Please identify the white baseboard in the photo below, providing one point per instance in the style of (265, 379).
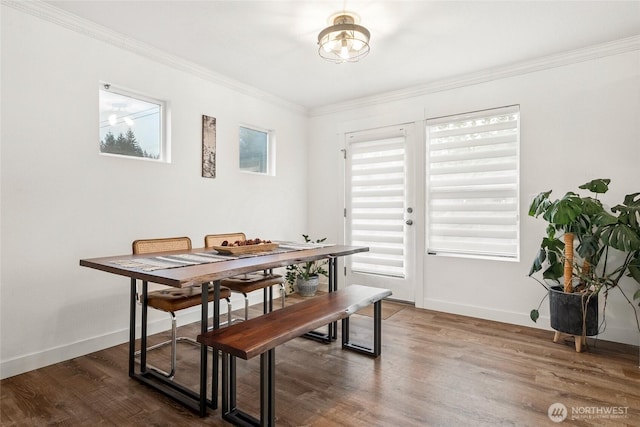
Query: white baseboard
(614, 334)
(481, 312)
(29, 362)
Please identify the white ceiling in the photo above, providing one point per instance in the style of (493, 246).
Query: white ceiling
(271, 45)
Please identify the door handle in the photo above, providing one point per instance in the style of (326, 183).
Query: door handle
(409, 222)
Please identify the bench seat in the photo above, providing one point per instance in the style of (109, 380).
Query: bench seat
(259, 337)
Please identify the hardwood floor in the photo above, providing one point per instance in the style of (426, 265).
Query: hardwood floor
(436, 369)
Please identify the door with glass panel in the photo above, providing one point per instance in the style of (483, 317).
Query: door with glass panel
(379, 209)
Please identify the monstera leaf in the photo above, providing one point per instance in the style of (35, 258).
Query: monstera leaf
(589, 247)
(565, 211)
(634, 268)
(630, 211)
(621, 237)
(540, 204)
(623, 232)
(597, 186)
(550, 251)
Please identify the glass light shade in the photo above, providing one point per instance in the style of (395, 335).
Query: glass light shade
(344, 41)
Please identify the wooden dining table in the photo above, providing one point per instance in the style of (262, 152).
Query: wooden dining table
(149, 268)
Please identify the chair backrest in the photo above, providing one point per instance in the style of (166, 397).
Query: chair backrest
(217, 239)
(146, 246)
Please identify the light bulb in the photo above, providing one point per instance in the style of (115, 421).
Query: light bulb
(113, 120)
(128, 121)
(344, 51)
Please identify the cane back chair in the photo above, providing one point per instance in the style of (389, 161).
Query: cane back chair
(171, 300)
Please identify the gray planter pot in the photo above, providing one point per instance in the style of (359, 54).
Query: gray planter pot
(567, 313)
(307, 288)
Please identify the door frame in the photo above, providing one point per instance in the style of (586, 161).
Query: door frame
(416, 171)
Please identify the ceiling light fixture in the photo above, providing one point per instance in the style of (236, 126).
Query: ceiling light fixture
(345, 40)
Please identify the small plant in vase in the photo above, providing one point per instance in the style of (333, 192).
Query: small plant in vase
(305, 276)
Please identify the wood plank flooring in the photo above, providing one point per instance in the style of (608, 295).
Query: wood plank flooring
(436, 369)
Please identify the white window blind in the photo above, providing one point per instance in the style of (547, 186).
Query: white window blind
(376, 199)
(472, 183)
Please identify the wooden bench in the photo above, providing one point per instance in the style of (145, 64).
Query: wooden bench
(259, 337)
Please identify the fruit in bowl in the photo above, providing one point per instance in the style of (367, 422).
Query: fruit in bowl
(248, 242)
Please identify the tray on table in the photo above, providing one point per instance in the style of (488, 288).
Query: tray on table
(246, 249)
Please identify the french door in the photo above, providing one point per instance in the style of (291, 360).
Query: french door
(380, 210)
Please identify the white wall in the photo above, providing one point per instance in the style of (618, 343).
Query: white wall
(578, 122)
(62, 201)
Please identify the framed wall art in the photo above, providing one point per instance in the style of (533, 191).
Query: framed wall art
(208, 147)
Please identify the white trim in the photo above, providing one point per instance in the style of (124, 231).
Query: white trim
(50, 356)
(57, 16)
(87, 28)
(619, 335)
(544, 63)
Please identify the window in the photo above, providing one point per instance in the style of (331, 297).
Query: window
(255, 150)
(131, 125)
(472, 184)
(376, 192)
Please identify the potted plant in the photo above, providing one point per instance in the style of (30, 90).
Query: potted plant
(305, 276)
(608, 249)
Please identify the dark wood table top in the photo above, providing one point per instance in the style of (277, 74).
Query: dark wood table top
(194, 274)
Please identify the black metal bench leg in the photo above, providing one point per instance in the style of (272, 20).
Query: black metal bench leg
(267, 389)
(225, 384)
(377, 328)
(377, 334)
(230, 412)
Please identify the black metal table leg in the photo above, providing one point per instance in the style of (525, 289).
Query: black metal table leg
(215, 362)
(143, 337)
(132, 329)
(332, 328)
(194, 400)
(333, 262)
(204, 323)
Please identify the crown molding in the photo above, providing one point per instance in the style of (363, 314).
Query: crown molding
(512, 70)
(90, 29)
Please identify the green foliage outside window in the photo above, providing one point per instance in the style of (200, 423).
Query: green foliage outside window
(125, 145)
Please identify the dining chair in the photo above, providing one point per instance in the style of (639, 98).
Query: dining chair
(171, 299)
(247, 283)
